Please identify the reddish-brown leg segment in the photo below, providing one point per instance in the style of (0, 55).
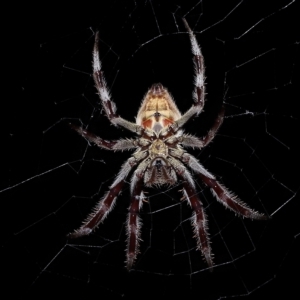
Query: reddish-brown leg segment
(224, 196)
(231, 201)
(91, 137)
(107, 203)
(199, 222)
(134, 223)
(187, 140)
(122, 144)
(100, 212)
(212, 132)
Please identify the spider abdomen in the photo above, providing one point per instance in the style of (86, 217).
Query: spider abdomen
(158, 109)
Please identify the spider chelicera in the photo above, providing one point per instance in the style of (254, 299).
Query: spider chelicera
(159, 157)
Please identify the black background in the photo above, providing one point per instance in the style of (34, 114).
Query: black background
(52, 178)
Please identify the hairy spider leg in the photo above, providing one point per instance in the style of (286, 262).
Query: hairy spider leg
(214, 129)
(100, 212)
(199, 222)
(106, 204)
(121, 144)
(104, 94)
(224, 196)
(188, 140)
(231, 201)
(134, 223)
(199, 89)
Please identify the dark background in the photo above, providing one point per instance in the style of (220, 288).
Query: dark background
(51, 177)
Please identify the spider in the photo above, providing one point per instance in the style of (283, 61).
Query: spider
(159, 158)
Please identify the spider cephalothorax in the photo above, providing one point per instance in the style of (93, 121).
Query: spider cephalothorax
(159, 157)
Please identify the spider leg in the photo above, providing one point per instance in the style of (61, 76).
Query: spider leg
(231, 201)
(191, 161)
(199, 220)
(108, 105)
(122, 144)
(199, 90)
(106, 204)
(212, 132)
(188, 140)
(133, 222)
(224, 196)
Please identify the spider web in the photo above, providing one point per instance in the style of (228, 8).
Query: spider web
(52, 177)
